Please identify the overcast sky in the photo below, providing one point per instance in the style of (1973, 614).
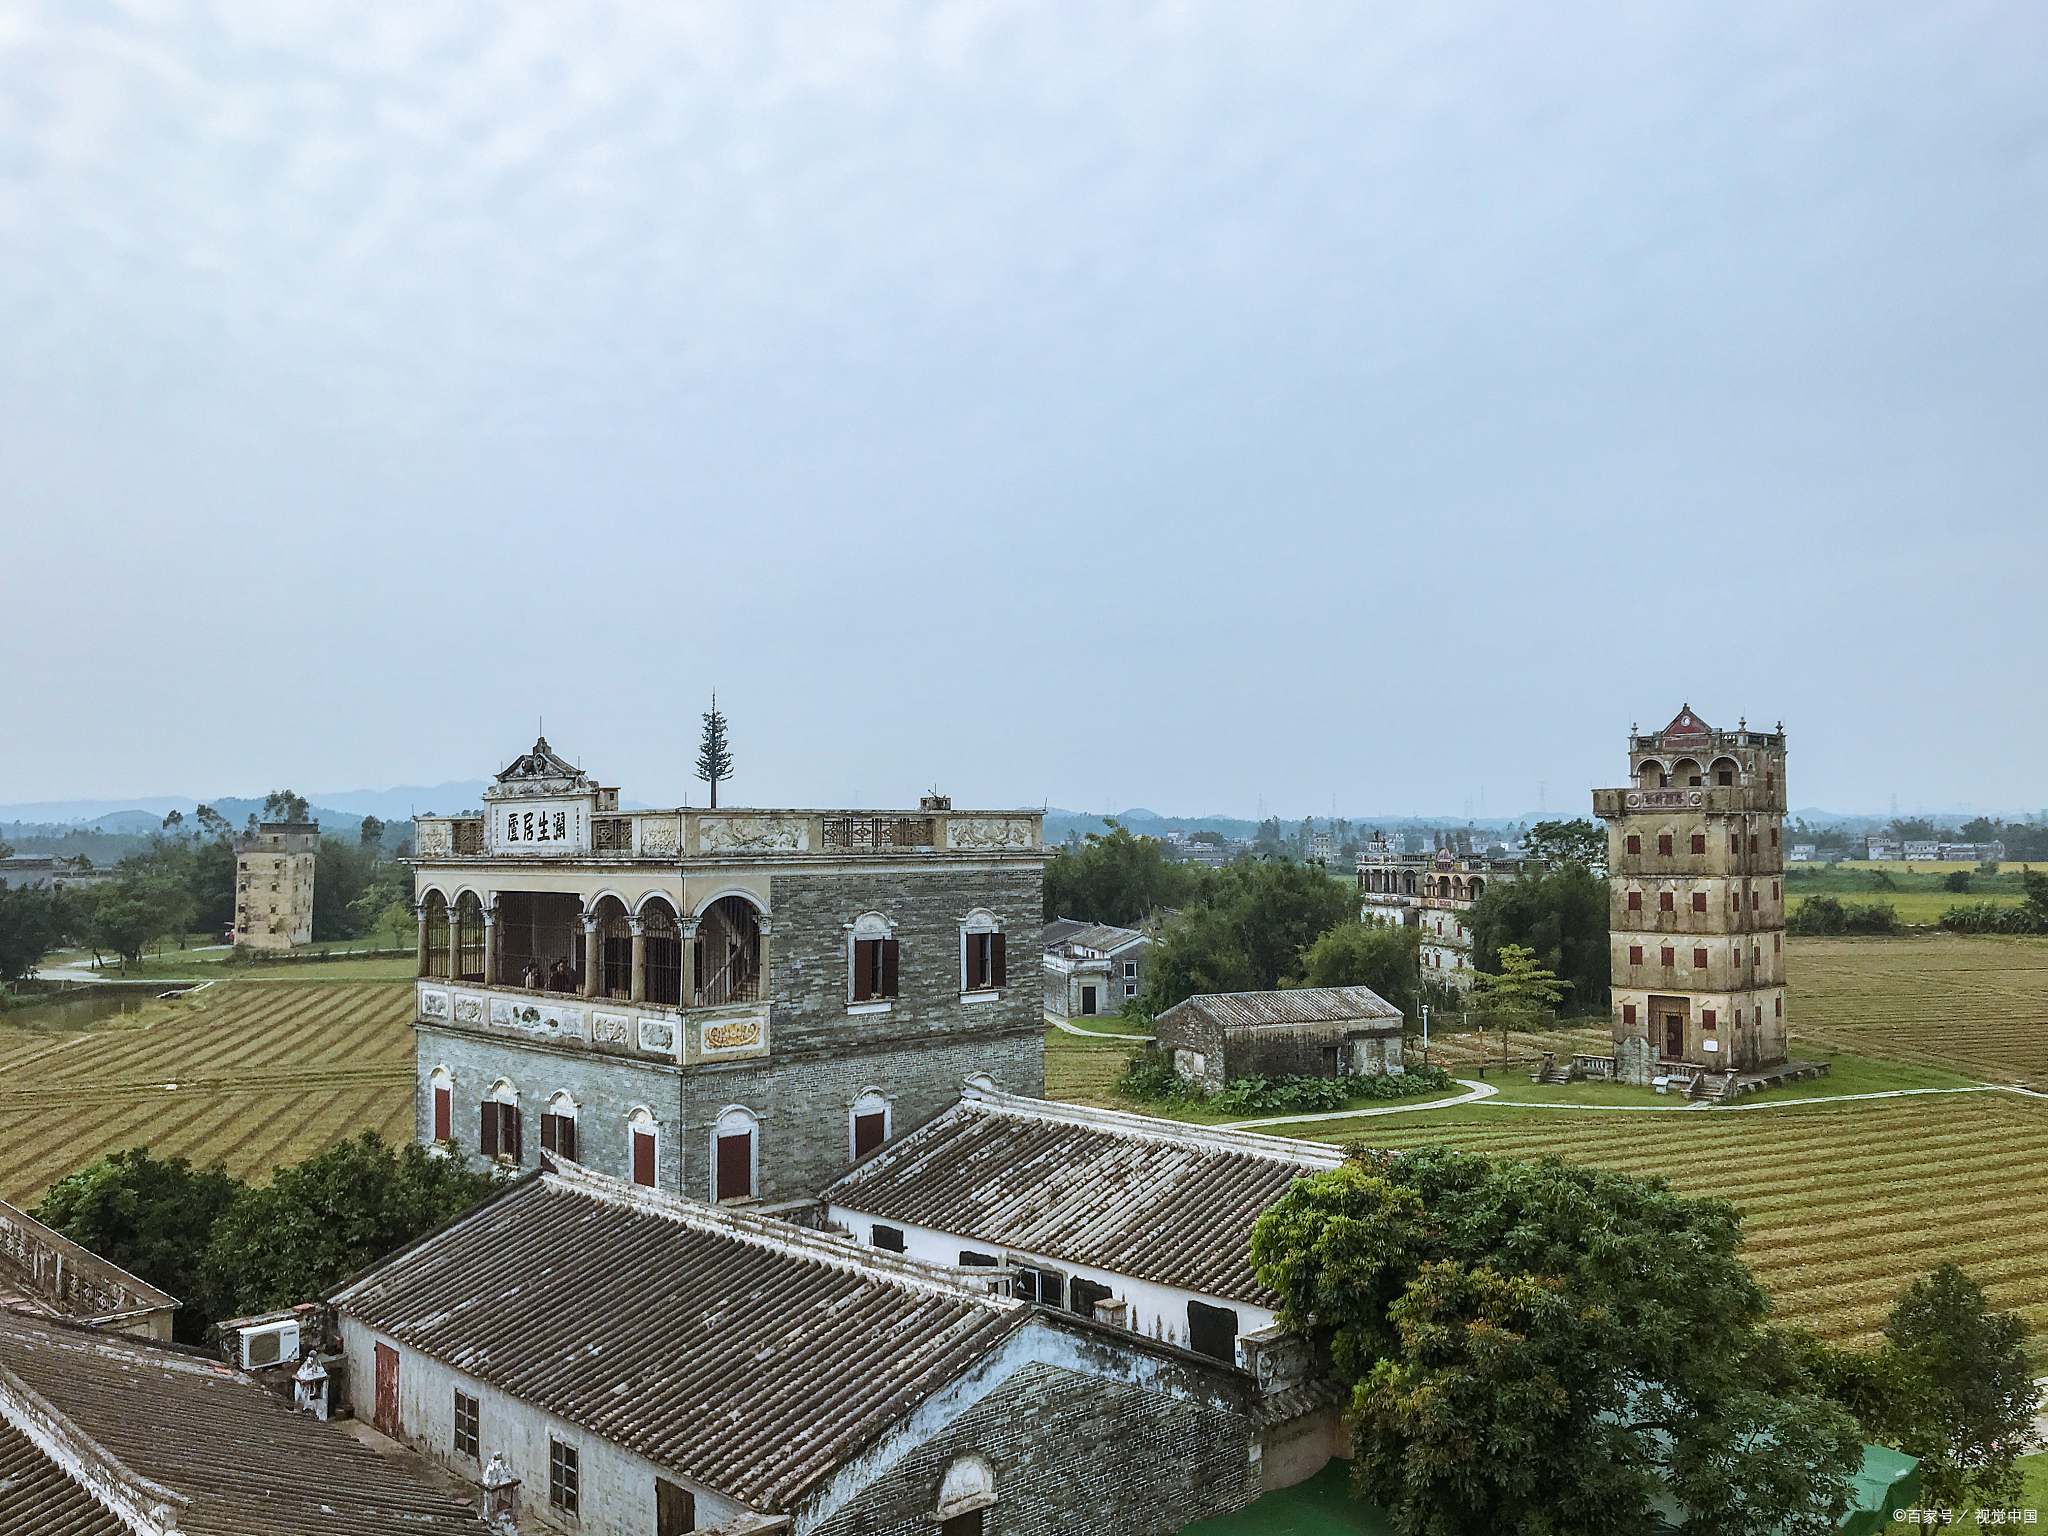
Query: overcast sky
(1206, 407)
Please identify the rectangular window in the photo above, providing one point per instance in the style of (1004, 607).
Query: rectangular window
(643, 1158)
(1780, 1007)
(500, 1134)
(465, 1425)
(1664, 843)
(1670, 956)
(1699, 959)
(875, 965)
(983, 967)
(1048, 1287)
(1130, 968)
(1699, 901)
(969, 1259)
(1635, 843)
(443, 1115)
(736, 1166)
(1635, 954)
(1663, 901)
(1628, 1013)
(1752, 901)
(1774, 890)
(890, 1238)
(1774, 837)
(1735, 842)
(969, 1524)
(675, 1509)
(565, 1477)
(1130, 989)
(1752, 842)
(1707, 1018)
(1777, 943)
(1635, 901)
(1699, 842)
(1756, 957)
(558, 1135)
(1212, 1331)
(868, 1132)
(1083, 1294)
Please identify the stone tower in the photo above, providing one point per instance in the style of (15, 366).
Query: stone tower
(274, 884)
(1696, 872)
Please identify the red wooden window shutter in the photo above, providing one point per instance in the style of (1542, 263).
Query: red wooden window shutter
(1735, 842)
(888, 967)
(547, 1133)
(1699, 901)
(995, 942)
(443, 1115)
(1628, 1013)
(1664, 842)
(863, 969)
(736, 1166)
(1699, 958)
(565, 1137)
(1699, 842)
(1635, 901)
(1670, 954)
(487, 1140)
(867, 1134)
(511, 1135)
(1664, 901)
(1635, 954)
(1635, 843)
(643, 1160)
(1707, 1018)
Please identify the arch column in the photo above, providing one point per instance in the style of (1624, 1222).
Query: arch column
(593, 962)
(639, 928)
(686, 932)
(454, 943)
(761, 983)
(491, 944)
(423, 939)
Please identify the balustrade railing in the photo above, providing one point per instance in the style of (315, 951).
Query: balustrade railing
(873, 833)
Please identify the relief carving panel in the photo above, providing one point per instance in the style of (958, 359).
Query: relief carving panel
(750, 834)
(433, 1005)
(990, 832)
(554, 1020)
(608, 1027)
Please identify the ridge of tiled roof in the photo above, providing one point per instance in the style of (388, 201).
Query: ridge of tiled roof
(1291, 1005)
(1120, 1122)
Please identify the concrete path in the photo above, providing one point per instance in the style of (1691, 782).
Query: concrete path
(1473, 1093)
(1090, 1034)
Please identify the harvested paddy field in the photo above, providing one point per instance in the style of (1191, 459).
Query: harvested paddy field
(1976, 1004)
(249, 1073)
(1844, 1204)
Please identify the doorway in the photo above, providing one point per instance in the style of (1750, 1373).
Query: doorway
(386, 1418)
(1087, 1001)
(1674, 1036)
(675, 1509)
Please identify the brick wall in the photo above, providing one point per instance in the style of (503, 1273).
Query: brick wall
(1071, 1453)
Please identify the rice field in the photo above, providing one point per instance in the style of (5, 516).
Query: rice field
(1843, 1204)
(1977, 1004)
(249, 1073)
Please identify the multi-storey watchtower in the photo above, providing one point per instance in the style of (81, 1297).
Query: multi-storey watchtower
(274, 884)
(1696, 871)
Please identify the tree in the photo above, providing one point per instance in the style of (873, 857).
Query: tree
(1953, 1386)
(284, 805)
(1957, 880)
(153, 1218)
(335, 1213)
(371, 833)
(714, 762)
(1540, 1348)
(1559, 915)
(1980, 829)
(212, 824)
(1246, 931)
(174, 824)
(1913, 829)
(1521, 987)
(1550, 844)
(32, 922)
(1115, 878)
(1386, 959)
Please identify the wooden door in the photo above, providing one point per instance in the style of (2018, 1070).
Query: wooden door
(387, 1390)
(1674, 1037)
(1087, 1000)
(736, 1166)
(675, 1509)
(969, 1524)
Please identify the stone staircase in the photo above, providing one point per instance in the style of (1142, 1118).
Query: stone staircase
(1550, 1071)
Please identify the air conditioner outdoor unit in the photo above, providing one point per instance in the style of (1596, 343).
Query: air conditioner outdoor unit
(269, 1344)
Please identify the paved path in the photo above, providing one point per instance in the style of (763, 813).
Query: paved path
(1474, 1092)
(1090, 1034)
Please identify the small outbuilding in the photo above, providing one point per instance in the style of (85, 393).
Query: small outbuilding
(1303, 1032)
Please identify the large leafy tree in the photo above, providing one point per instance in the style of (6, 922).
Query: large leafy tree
(152, 1217)
(1249, 927)
(1547, 1349)
(1560, 916)
(337, 1212)
(32, 923)
(1386, 959)
(1116, 877)
(1551, 844)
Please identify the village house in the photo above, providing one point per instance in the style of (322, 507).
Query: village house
(1142, 1220)
(1300, 1032)
(731, 1004)
(1091, 968)
(30, 871)
(104, 1435)
(646, 1365)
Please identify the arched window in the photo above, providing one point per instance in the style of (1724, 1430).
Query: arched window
(1686, 772)
(441, 1094)
(558, 1127)
(614, 943)
(645, 1137)
(728, 953)
(469, 937)
(1476, 889)
(1650, 774)
(965, 1493)
(982, 962)
(1443, 885)
(434, 915)
(1724, 770)
(868, 1123)
(872, 960)
(733, 1154)
(501, 1134)
(664, 949)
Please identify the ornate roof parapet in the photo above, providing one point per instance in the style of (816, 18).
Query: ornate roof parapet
(539, 772)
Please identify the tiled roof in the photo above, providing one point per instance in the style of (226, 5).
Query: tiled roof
(1060, 930)
(1100, 937)
(1299, 1005)
(743, 1352)
(230, 1457)
(1129, 1194)
(37, 1497)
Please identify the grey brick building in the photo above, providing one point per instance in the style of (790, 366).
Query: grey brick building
(729, 1004)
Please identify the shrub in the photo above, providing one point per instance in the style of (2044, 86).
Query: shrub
(1826, 914)
(1871, 917)
(1149, 1078)
(1990, 917)
(1956, 880)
